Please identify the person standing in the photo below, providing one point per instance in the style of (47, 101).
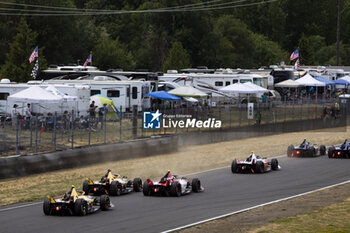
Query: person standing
(28, 116)
(15, 115)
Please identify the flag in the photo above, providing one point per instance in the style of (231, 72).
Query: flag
(297, 64)
(34, 55)
(294, 55)
(35, 69)
(89, 58)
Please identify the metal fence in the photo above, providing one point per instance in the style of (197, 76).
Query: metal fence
(38, 134)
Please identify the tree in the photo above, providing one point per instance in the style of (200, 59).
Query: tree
(307, 56)
(17, 67)
(109, 54)
(178, 58)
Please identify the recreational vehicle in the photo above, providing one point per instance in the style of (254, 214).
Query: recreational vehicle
(124, 94)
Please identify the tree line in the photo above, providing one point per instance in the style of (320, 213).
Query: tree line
(243, 37)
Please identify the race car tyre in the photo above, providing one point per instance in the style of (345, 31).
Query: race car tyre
(259, 167)
(146, 189)
(234, 166)
(290, 150)
(175, 189)
(196, 185)
(86, 187)
(330, 152)
(137, 185)
(104, 202)
(80, 207)
(274, 164)
(46, 206)
(322, 150)
(116, 188)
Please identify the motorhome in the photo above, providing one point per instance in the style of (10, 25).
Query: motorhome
(81, 105)
(124, 94)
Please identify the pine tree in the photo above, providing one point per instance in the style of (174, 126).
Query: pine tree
(17, 67)
(178, 58)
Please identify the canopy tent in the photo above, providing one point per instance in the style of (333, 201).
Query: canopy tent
(326, 81)
(341, 82)
(239, 88)
(346, 78)
(257, 87)
(163, 95)
(190, 99)
(187, 91)
(66, 98)
(35, 94)
(309, 81)
(100, 100)
(289, 83)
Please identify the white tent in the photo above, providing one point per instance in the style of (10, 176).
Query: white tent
(35, 94)
(257, 87)
(239, 88)
(309, 81)
(187, 91)
(289, 83)
(66, 98)
(347, 78)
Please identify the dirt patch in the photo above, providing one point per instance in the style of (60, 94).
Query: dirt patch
(187, 160)
(256, 220)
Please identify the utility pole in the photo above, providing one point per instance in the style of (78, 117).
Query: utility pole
(338, 29)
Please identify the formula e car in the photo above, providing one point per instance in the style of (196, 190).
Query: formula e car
(75, 203)
(306, 151)
(112, 184)
(338, 152)
(257, 165)
(171, 185)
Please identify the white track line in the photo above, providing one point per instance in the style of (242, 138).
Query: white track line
(20, 206)
(35, 203)
(253, 207)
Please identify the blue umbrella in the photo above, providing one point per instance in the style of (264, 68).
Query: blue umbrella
(163, 95)
(341, 82)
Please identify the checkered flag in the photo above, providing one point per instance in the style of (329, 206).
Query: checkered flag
(35, 69)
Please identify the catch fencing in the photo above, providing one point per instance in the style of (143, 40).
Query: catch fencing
(39, 134)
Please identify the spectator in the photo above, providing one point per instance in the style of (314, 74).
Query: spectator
(92, 111)
(15, 115)
(28, 117)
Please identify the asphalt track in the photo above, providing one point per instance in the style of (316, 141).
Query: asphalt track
(224, 193)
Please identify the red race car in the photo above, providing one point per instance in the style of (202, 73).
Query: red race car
(171, 185)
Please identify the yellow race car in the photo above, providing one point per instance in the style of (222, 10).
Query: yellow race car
(75, 203)
(112, 184)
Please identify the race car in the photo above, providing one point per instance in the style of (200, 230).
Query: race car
(171, 185)
(254, 164)
(112, 184)
(306, 149)
(338, 152)
(75, 203)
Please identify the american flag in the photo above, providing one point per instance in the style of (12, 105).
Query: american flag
(89, 58)
(294, 55)
(35, 69)
(34, 55)
(297, 64)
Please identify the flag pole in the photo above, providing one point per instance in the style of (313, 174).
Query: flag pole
(91, 58)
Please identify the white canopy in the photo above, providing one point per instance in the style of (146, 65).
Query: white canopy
(239, 88)
(35, 94)
(309, 81)
(257, 87)
(187, 91)
(289, 83)
(66, 98)
(347, 78)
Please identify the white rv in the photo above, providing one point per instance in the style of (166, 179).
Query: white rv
(124, 94)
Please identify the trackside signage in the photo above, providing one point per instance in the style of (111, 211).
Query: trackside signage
(156, 120)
